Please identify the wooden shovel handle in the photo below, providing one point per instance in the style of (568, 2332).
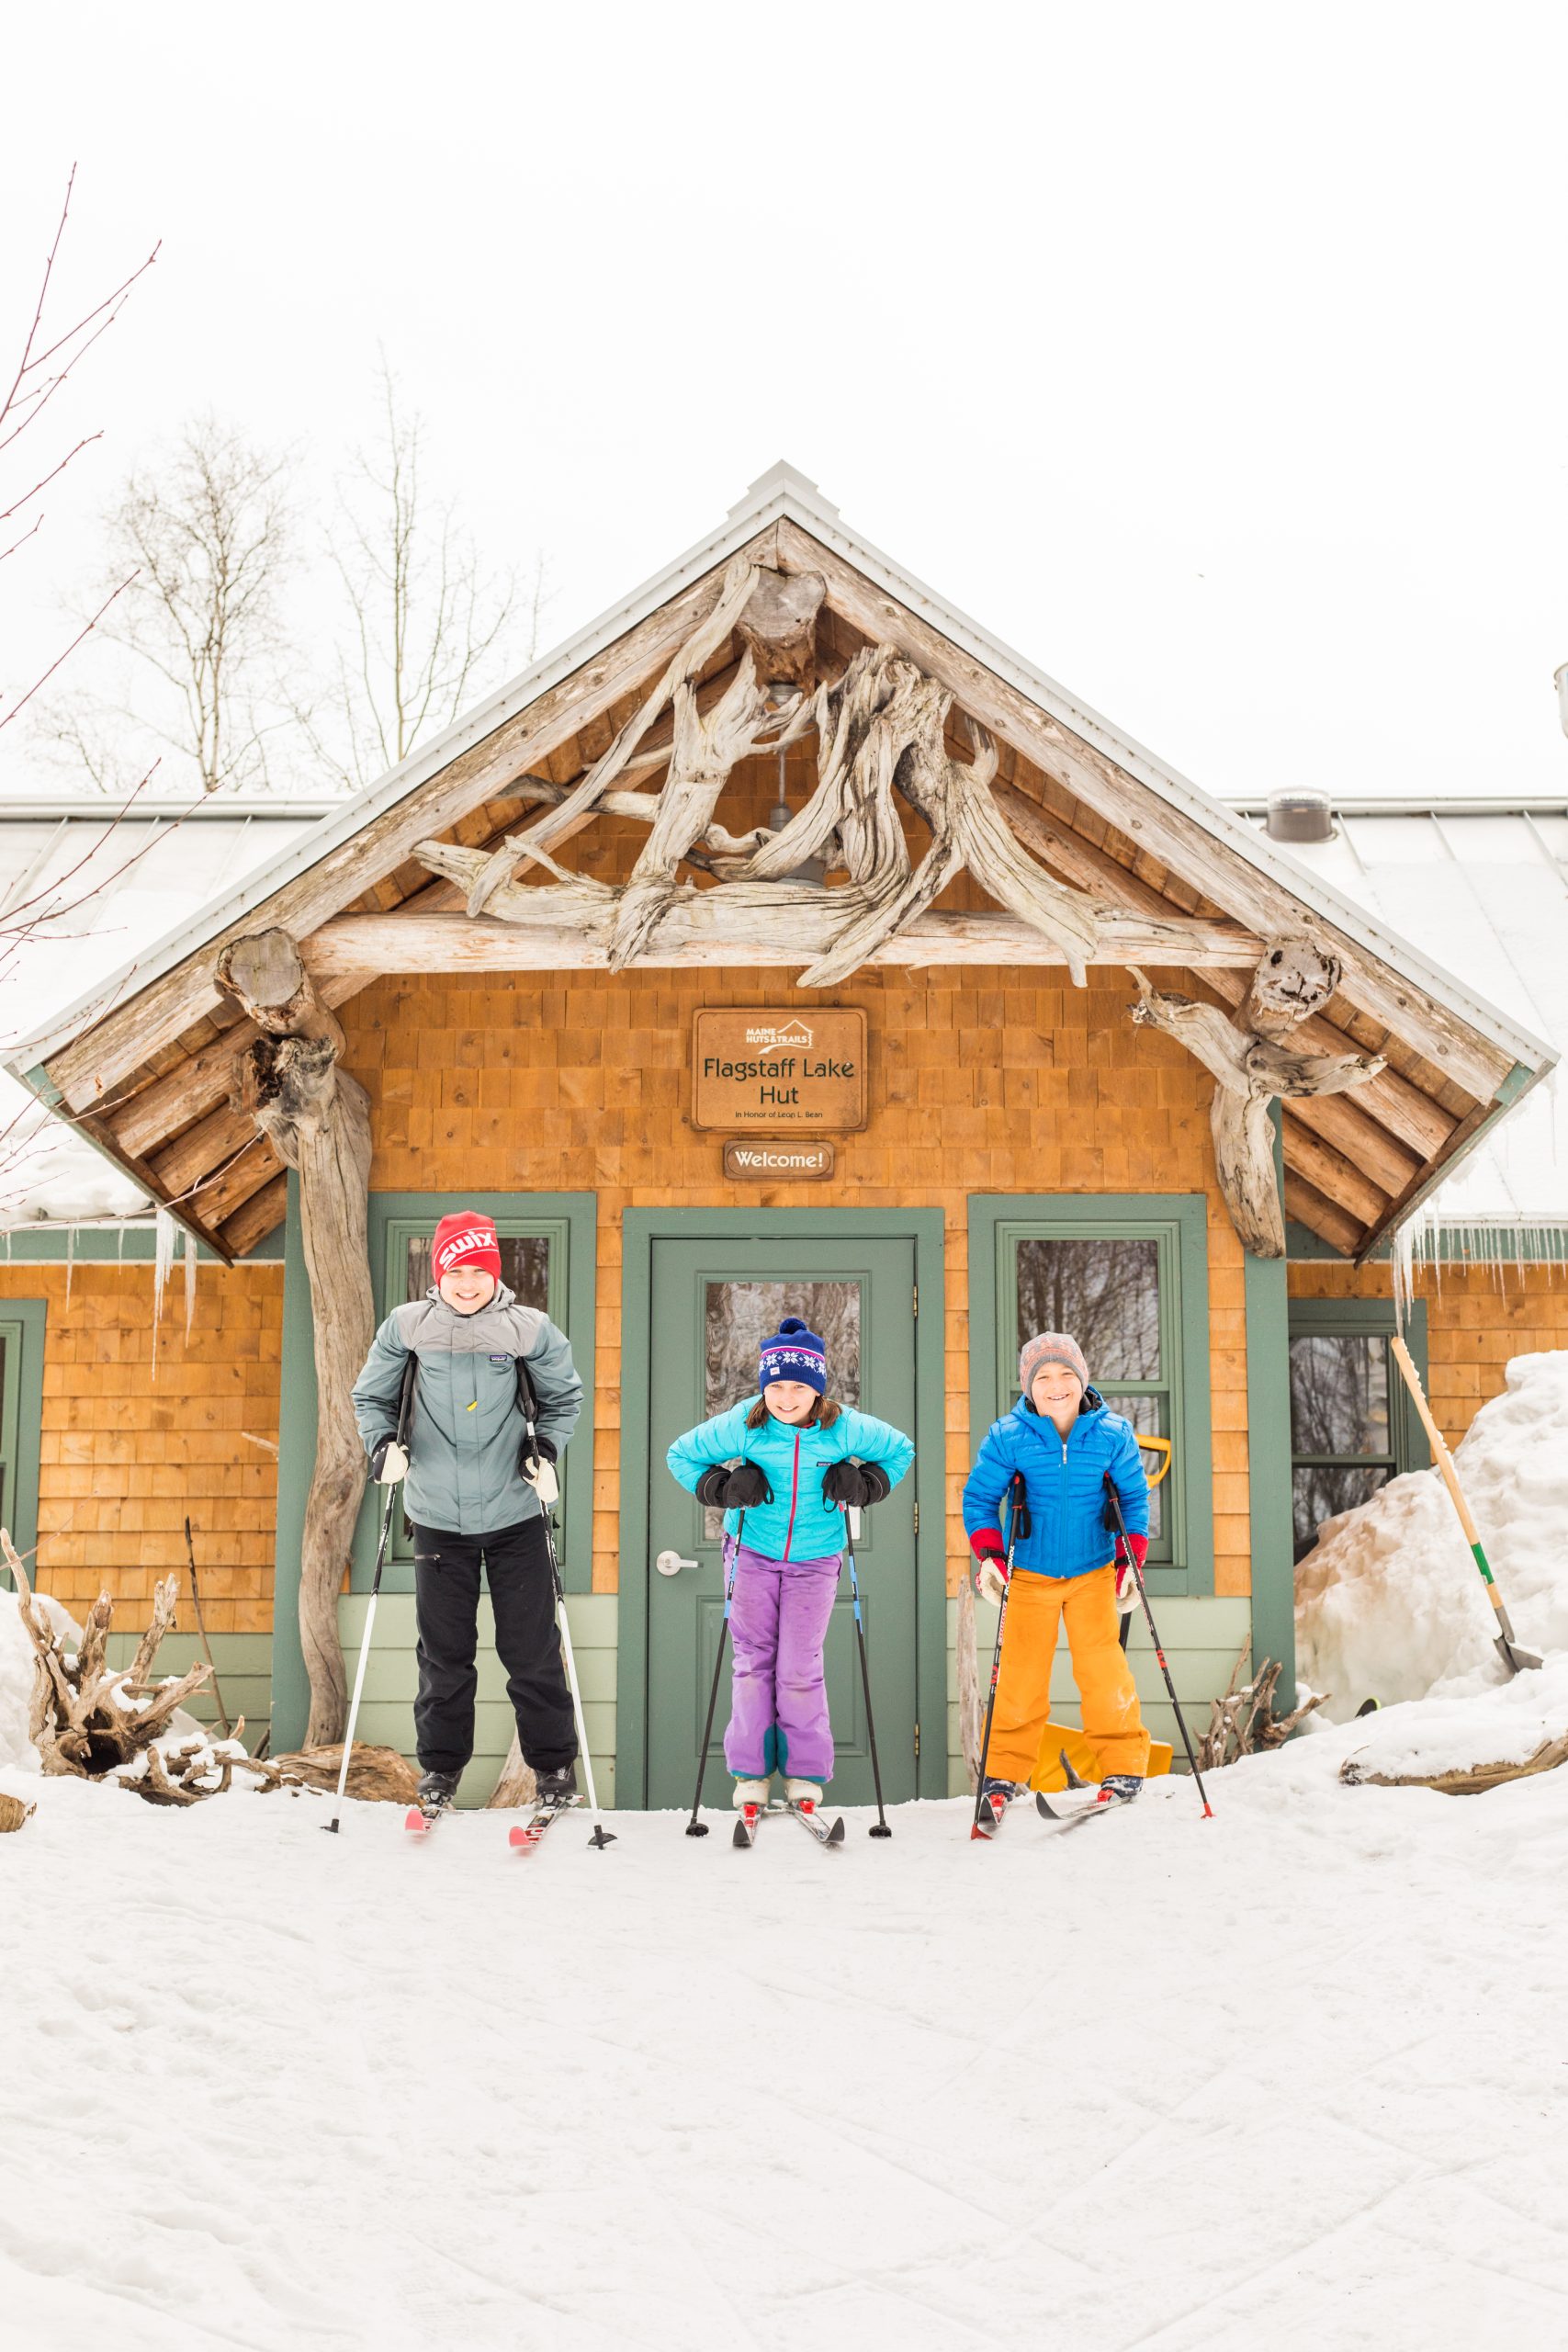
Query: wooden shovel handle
(1439, 1446)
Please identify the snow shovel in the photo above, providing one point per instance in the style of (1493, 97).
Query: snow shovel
(1518, 1661)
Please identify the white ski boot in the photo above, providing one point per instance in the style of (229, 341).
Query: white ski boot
(752, 1792)
(803, 1791)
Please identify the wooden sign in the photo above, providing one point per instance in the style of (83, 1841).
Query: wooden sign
(778, 1070)
(776, 1163)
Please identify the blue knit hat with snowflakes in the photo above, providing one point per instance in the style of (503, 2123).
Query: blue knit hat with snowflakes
(795, 1353)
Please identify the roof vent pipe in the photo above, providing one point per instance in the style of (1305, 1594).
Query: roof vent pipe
(1299, 817)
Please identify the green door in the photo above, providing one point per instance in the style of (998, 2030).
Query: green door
(712, 1302)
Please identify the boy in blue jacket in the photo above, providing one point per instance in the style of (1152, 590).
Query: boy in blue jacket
(797, 1472)
(1064, 1440)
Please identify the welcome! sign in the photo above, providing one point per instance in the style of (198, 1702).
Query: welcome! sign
(757, 1069)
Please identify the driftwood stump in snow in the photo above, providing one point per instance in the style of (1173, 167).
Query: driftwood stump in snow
(1252, 1062)
(1466, 1780)
(517, 1784)
(971, 1713)
(13, 1813)
(318, 1120)
(1243, 1723)
(376, 1775)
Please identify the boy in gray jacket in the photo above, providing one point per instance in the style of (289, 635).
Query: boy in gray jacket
(471, 1499)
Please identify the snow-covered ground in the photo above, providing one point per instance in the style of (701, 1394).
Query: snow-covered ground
(1292, 2077)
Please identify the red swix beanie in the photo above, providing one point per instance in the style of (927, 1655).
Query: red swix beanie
(465, 1239)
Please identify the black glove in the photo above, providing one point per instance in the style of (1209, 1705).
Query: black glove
(544, 1446)
(739, 1489)
(856, 1483)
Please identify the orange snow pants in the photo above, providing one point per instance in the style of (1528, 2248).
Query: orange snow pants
(1111, 1723)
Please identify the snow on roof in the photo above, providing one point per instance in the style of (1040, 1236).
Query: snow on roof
(1484, 892)
(89, 893)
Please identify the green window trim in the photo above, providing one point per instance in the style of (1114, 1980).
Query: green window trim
(1178, 1223)
(1370, 1318)
(23, 1328)
(297, 1430)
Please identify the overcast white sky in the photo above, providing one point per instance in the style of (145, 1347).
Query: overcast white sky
(1212, 356)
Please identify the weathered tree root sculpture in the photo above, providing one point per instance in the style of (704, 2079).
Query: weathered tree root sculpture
(1243, 1723)
(1252, 1062)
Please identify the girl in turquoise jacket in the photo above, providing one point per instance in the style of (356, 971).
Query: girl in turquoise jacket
(803, 1460)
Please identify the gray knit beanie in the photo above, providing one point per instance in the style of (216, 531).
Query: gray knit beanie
(1050, 1347)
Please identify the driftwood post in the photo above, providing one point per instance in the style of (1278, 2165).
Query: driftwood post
(1252, 1061)
(318, 1120)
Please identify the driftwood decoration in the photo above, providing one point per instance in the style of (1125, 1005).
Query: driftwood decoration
(1251, 1059)
(971, 1713)
(1465, 1781)
(881, 730)
(1243, 1723)
(318, 1120)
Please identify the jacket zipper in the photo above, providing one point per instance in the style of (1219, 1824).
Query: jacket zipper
(793, 1492)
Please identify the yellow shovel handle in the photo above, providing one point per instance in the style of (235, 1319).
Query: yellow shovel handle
(1443, 1458)
(1161, 1445)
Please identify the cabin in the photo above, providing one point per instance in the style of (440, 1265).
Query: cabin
(782, 943)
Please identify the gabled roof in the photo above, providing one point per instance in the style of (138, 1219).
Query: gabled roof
(1450, 1050)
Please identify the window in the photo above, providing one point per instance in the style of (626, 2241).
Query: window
(21, 1420)
(1127, 1275)
(1352, 1424)
(736, 1318)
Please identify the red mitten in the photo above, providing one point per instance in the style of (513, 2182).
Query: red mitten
(991, 1575)
(1126, 1583)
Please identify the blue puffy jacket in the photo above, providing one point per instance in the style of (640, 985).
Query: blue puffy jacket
(1064, 1480)
(798, 1524)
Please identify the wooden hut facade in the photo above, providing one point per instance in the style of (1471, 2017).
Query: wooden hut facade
(782, 940)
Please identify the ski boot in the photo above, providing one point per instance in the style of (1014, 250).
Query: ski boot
(995, 1798)
(432, 1799)
(806, 1792)
(557, 1788)
(1118, 1787)
(752, 1792)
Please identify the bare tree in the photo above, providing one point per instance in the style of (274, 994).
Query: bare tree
(210, 535)
(49, 357)
(425, 622)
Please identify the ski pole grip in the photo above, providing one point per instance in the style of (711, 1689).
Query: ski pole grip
(852, 1521)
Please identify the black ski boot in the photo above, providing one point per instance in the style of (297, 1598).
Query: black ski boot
(436, 1791)
(557, 1788)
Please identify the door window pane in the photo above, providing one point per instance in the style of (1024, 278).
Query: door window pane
(1322, 1490)
(525, 1267)
(1339, 1393)
(739, 1316)
(1106, 1293)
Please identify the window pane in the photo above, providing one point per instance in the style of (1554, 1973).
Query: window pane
(739, 1316)
(1146, 1413)
(525, 1267)
(1323, 1494)
(1339, 1393)
(1105, 1293)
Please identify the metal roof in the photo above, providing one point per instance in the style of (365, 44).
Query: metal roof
(1483, 885)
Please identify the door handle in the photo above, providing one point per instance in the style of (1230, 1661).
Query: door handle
(669, 1564)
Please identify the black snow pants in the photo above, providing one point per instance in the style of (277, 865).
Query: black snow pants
(528, 1639)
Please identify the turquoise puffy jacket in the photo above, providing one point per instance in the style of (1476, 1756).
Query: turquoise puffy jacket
(1064, 1480)
(799, 1524)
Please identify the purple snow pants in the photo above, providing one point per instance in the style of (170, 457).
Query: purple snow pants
(779, 1617)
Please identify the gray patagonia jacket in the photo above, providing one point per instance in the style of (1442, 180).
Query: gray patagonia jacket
(465, 1427)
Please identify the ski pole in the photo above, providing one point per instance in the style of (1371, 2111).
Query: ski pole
(696, 1828)
(1018, 1522)
(541, 1477)
(879, 1827)
(404, 1403)
(601, 1836)
(1518, 1660)
(1154, 1636)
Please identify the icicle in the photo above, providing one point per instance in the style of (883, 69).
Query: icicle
(120, 1251)
(164, 1229)
(1402, 1269)
(190, 1283)
(69, 1259)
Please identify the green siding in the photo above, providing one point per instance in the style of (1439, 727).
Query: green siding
(244, 1668)
(1203, 1638)
(24, 1321)
(386, 1712)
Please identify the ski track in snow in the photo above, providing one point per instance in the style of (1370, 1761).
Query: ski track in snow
(1294, 2075)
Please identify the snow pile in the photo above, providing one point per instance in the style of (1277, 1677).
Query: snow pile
(1507, 1724)
(17, 1661)
(1390, 1604)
